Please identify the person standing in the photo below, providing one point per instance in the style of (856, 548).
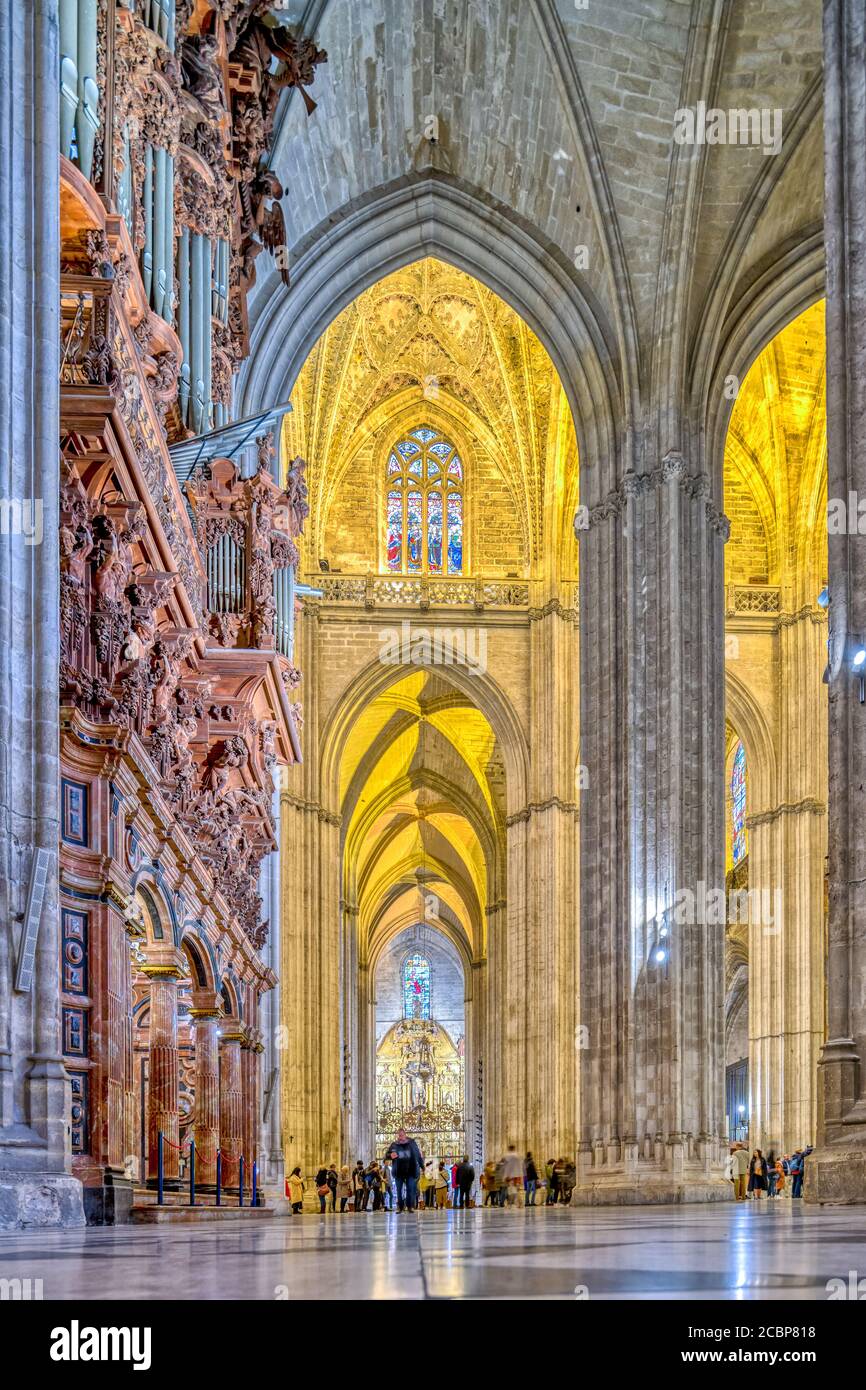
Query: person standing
(358, 1185)
(729, 1170)
(441, 1185)
(406, 1165)
(758, 1174)
(531, 1176)
(323, 1188)
(488, 1182)
(427, 1185)
(374, 1184)
(550, 1174)
(512, 1173)
(465, 1174)
(740, 1167)
(796, 1173)
(344, 1186)
(387, 1187)
(295, 1189)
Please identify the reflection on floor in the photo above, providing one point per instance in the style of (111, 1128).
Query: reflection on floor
(773, 1250)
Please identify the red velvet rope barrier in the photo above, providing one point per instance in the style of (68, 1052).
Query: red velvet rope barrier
(226, 1153)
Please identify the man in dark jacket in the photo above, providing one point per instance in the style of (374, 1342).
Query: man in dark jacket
(406, 1164)
(465, 1177)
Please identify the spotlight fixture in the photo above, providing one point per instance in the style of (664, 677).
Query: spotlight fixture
(824, 598)
(661, 955)
(858, 665)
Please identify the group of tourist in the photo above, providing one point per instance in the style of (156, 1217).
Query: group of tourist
(400, 1181)
(404, 1181)
(519, 1182)
(766, 1175)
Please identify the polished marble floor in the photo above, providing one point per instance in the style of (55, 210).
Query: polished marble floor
(772, 1250)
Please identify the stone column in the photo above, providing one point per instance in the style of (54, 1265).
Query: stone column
(311, 948)
(652, 738)
(358, 1068)
(836, 1172)
(163, 1108)
(552, 890)
(231, 1104)
(206, 1013)
(35, 1186)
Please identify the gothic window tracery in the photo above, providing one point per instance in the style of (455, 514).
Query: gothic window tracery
(424, 510)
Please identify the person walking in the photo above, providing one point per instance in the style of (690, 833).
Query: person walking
(344, 1186)
(406, 1165)
(323, 1188)
(531, 1177)
(295, 1189)
(512, 1173)
(465, 1174)
(740, 1166)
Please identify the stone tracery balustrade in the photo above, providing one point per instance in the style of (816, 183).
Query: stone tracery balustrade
(753, 598)
(384, 590)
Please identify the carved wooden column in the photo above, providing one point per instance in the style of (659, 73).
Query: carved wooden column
(163, 1074)
(231, 1103)
(206, 1012)
(249, 1066)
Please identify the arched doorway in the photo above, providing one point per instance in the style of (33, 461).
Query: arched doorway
(441, 736)
(420, 1043)
(776, 749)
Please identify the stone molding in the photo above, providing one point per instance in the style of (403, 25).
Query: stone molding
(696, 486)
(536, 807)
(809, 806)
(314, 808)
(568, 615)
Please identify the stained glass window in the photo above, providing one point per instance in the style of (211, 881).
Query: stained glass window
(416, 987)
(425, 517)
(738, 803)
(434, 532)
(395, 530)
